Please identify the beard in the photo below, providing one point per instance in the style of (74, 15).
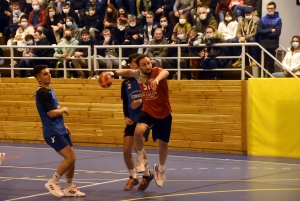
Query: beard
(147, 72)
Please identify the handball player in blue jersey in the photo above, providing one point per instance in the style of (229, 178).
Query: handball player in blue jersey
(56, 133)
(132, 104)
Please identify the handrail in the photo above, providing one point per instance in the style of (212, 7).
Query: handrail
(178, 57)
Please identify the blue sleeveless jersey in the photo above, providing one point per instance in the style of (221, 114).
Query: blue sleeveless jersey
(133, 92)
(51, 126)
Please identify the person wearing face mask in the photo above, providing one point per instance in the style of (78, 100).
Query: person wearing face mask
(13, 22)
(145, 7)
(181, 7)
(205, 19)
(67, 12)
(246, 32)
(64, 53)
(181, 25)
(291, 61)
(26, 62)
(71, 25)
(221, 8)
(149, 28)
(54, 26)
(269, 31)
(209, 53)
(27, 28)
(37, 17)
(133, 36)
(166, 27)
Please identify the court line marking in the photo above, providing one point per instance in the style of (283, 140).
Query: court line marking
(36, 195)
(212, 192)
(189, 157)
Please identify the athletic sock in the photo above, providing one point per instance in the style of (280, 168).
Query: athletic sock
(161, 168)
(146, 173)
(69, 182)
(140, 154)
(133, 173)
(55, 177)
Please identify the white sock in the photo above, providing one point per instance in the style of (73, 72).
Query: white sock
(55, 177)
(146, 173)
(133, 173)
(161, 168)
(140, 154)
(69, 182)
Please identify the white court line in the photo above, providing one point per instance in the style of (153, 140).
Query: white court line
(36, 195)
(185, 157)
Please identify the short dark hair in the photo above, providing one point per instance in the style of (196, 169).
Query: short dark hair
(142, 56)
(37, 69)
(65, 4)
(38, 31)
(29, 36)
(133, 56)
(85, 31)
(272, 3)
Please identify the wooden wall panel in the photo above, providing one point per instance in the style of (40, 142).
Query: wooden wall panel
(208, 116)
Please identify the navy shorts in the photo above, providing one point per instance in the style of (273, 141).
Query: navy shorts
(58, 142)
(161, 128)
(129, 130)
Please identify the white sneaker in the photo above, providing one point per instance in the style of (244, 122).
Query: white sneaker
(73, 192)
(2, 155)
(54, 188)
(158, 176)
(141, 164)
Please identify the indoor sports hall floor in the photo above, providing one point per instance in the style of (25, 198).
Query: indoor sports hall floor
(101, 174)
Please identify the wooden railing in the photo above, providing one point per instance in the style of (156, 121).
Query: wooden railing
(208, 116)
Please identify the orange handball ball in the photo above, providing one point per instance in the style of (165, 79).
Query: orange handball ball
(105, 80)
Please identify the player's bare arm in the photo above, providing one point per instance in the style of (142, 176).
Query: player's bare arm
(58, 112)
(162, 75)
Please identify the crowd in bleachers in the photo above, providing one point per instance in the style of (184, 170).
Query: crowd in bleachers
(138, 22)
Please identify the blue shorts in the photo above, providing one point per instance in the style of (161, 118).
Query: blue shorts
(58, 142)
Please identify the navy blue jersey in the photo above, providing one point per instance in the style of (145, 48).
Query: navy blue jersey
(46, 101)
(130, 91)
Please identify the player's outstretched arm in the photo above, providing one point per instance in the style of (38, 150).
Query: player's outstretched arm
(122, 72)
(58, 112)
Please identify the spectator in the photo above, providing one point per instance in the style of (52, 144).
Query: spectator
(37, 17)
(98, 10)
(159, 39)
(149, 28)
(4, 7)
(22, 5)
(110, 19)
(194, 42)
(109, 39)
(269, 30)
(240, 7)
(133, 36)
(41, 39)
(198, 4)
(83, 52)
(247, 32)
(147, 6)
(14, 19)
(181, 7)
(65, 53)
(209, 54)
(130, 5)
(205, 19)
(122, 23)
(26, 62)
(54, 26)
(27, 28)
(291, 61)
(182, 24)
(79, 7)
(222, 7)
(71, 25)
(166, 27)
(92, 22)
(67, 12)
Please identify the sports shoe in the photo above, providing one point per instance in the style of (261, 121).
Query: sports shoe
(54, 188)
(158, 177)
(145, 182)
(73, 191)
(141, 164)
(131, 183)
(2, 155)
